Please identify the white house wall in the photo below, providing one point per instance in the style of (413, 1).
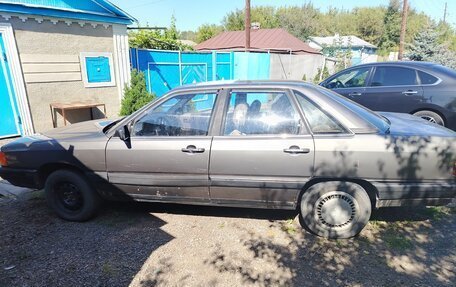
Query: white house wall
(121, 57)
(294, 67)
(49, 56)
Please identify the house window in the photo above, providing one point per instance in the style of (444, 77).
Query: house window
(97, 70)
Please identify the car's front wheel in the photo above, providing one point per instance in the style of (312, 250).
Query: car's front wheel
(335, 209)
(70, 195)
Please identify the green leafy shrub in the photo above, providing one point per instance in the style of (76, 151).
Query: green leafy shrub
(320, 76)
(136, 95)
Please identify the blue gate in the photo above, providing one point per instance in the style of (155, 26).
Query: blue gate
(9, 120)
(165, 70)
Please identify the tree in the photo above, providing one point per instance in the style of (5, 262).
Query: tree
(378, 25)
(426, 47)
(188, 35)
(156, 39)
(171, 32)
(338, 21)
(369, 23)
(392, 23)
(265, 15)
(447, 35)
(136, 94)
(302, 22)
(207, 31)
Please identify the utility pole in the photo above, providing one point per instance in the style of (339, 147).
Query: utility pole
(403, 28)
(247, 25)
(445, 13)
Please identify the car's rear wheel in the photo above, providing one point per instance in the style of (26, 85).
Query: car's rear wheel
(70, 195)
(430, 116)
(335, 209)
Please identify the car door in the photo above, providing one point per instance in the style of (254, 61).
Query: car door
(167, 155)
(350, 83)
(263, 154)
(393, 89)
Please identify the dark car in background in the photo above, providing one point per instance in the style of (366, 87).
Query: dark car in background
(423, 89)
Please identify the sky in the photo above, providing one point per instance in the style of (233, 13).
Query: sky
(191, 14)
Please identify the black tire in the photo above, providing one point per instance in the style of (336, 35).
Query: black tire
(335, 209)
(70, 195)
(430, 116)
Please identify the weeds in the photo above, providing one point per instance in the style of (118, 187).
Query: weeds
(397, 241)
(289, 227)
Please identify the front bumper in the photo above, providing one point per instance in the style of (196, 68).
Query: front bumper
(21, 177)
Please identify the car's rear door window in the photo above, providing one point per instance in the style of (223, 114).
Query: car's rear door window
(182, 115)
(394, 76)
(260, 113)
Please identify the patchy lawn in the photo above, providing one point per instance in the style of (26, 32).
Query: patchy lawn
(172, 245)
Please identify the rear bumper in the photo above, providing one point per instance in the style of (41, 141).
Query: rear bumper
(433, 193)
(21, 177)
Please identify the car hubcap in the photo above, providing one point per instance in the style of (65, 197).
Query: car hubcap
(69, 195)
(336, 209)
(429, 119)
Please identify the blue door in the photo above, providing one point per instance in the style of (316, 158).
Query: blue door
(163, 78)
(194, 73)
(9, 124)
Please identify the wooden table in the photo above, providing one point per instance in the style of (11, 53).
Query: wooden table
(73, 106)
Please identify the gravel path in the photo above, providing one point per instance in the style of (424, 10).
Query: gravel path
(171, 245)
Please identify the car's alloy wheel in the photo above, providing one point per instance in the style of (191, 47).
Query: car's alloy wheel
(70, 195)
(335, 209)
(430, 116)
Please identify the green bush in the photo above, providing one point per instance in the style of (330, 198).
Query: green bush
(317, 79)
(135, 95)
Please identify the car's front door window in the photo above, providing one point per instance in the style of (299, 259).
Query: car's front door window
(182, 115)
(354, 78)
(260, 113)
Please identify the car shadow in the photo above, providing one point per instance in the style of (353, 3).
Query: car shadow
(199, 210)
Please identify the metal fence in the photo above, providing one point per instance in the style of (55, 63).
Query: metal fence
(165, 70)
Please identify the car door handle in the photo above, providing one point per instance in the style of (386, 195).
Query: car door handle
(409, 92)
(354, 94)
(192, 149)
(294, 149)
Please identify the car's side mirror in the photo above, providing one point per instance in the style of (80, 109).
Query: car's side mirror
(123, 133)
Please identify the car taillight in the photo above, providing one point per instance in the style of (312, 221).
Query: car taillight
(3, 161)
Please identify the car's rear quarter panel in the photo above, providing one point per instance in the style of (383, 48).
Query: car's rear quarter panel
(400, 167)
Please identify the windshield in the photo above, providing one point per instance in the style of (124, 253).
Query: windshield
(372, 117)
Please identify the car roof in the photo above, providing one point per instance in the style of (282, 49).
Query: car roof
(435, 69)
(400, 63)
(245, 84)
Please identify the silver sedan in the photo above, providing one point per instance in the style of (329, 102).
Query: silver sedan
(262, 144)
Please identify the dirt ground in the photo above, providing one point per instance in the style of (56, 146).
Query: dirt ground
(171, 245)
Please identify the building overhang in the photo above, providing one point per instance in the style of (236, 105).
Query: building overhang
(77, 15)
